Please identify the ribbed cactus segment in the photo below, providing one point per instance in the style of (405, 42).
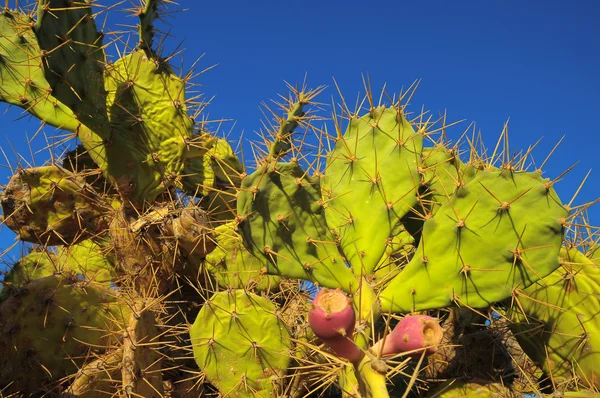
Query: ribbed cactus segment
(52, 206)
(22, 75)
(234, 267)
(555, 320)
(501, 230)
(370, 184)
(149, 127)
(73, 59)
(283, 224)
(51, 327)
(241, 344)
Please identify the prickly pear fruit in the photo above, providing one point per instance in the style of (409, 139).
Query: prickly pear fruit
(49, 329)
(241, 344)
(332, 318)
(412, 335)
(52, 206)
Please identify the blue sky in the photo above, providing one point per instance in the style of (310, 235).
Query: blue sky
(536, 62)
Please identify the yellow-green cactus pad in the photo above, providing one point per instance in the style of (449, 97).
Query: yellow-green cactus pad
(241, 344)
(22, 80)
(88, 259)
(52, 206)
(37, 264)
(555, 320)
(149, 127)
(500, 231)
(50, 328)
(371, 182)
(283, 224)
(234, 267)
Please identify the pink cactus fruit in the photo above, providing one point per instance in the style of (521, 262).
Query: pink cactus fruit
(411, 335)
(332, 318)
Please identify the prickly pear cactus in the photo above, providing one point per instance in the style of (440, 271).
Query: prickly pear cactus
(166, 263)
(241, 344)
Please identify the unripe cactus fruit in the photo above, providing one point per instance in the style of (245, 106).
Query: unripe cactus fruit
(413, 334)
(332, 319)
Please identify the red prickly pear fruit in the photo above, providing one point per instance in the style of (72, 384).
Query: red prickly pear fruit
(332, 318)
(413, 334)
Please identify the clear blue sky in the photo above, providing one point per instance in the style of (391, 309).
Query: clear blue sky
(536, 62)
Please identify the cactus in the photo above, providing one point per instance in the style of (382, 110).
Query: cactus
(554, 320)
(164, 265)
(241, 344)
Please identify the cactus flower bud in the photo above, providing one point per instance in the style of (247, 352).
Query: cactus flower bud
(332, 319)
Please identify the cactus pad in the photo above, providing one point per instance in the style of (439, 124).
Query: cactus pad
(241, 344)
(283, 224)
(22, 74)
(51, 206)
(149, 127)
(52, 326)
(501, 230)
(234, 267)
(370, 184)
(555, 320)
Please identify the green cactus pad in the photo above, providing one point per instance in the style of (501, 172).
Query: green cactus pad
(37, 264)
(50, 328)
(501, 231)
(218, 168)
(149, 127)
(371, 183)
(444, 173)
(52, 206)
(73, 58)
(22, 74)
(234, 267)
(241, 344)
(89, 259)
(283, 224)
(555, 320)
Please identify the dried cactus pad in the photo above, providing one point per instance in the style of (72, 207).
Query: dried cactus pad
(502, 229)
(555, 320)
(50, 328)
(52, 206)
(241, 344)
